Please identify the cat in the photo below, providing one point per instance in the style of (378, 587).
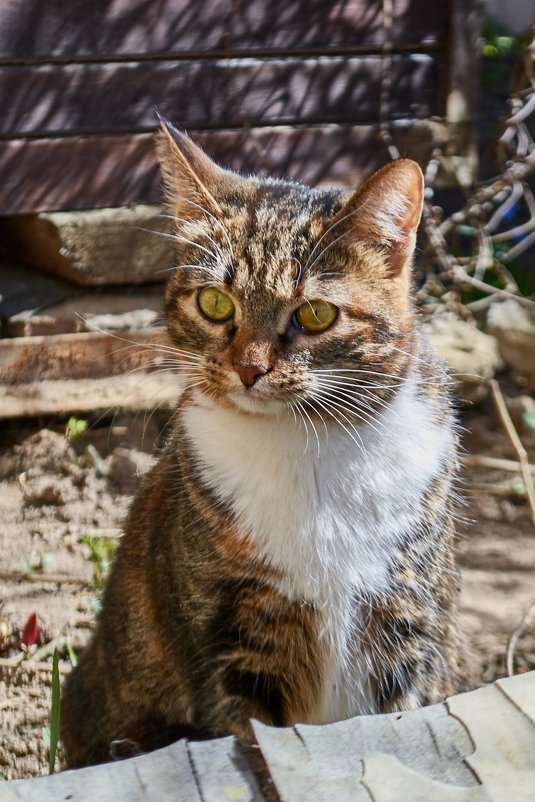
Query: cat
(291, 557)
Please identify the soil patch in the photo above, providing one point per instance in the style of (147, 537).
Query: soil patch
(61, 509)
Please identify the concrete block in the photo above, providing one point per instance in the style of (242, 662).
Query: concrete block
(93, 248)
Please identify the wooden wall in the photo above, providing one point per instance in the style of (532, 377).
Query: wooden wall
(289, 87)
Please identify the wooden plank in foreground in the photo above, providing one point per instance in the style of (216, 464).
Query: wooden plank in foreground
(475, 747)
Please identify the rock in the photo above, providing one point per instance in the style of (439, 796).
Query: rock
(124, 467)
(470, 354)
(45, 452)
(91, 248)
(513, 325)
(49, 490)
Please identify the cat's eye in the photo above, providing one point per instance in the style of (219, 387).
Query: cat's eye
(316, 316)
(215, 304)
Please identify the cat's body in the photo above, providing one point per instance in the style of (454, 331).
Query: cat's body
(291, 556)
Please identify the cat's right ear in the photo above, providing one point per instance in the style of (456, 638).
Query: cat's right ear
(192, 181)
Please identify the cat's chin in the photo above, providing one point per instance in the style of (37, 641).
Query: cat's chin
(255, 404)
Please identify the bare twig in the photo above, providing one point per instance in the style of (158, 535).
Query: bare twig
(55, 579)
(48, 648)
(525, 468)
(493, 462)
(111, 534)
(462, 277)
(30, 665)
(504, 489)
(527, 619)
(489, 216)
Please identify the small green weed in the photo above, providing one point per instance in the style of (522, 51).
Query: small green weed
(529, 419)
(73, 657)
(75, 428)
(102, 550)
(53, 733)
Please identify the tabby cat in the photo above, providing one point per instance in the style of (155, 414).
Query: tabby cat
(291, 556)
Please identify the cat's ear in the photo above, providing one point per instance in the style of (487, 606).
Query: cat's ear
(192, 181)
(386, 211)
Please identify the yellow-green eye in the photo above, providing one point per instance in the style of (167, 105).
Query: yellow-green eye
(316, 315)
(215, 305)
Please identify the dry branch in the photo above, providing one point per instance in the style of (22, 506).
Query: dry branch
(31, 665)
(521, 452)
(481, 460)
(55, 579)
(527, 619)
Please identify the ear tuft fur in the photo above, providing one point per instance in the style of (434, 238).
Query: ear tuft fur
(187, 173)
(386, 211)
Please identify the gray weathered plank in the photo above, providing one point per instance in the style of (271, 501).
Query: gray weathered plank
(96, 247)
(222, 772)
(380, 758)
(84, 355)
(162, 776)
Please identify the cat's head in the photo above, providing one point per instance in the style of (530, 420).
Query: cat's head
(286, 297)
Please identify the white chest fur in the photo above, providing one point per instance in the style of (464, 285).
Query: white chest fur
(332, 518)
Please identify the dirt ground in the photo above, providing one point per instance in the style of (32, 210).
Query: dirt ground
(61, 507)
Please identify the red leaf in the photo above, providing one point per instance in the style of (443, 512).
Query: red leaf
(30, 631)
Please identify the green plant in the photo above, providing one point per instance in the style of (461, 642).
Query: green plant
(75, 427)
(54, 713)
(529, 419)
(73, 657)
(102, 550)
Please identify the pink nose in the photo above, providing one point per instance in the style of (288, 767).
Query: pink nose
(250, 373)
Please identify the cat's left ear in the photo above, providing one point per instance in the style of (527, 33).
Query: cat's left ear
(386, 211)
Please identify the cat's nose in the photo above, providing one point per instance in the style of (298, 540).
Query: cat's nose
(250, 373)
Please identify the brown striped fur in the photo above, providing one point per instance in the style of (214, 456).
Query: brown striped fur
(196, 636)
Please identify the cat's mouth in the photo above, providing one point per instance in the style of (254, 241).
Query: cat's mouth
(255, 403)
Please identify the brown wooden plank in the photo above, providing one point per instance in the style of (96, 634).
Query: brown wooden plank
(32, 29)
(92, 172)
(77, 173)
(73, 356)
(77, 98)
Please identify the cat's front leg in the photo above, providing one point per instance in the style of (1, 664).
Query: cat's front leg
(411, 654)
(260, 658)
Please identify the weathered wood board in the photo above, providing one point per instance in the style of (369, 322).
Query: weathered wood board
(57, 99)
(245, 70)
(476, 747)
(99, 171)
(85, 355)
(137, 393)
(123, 27)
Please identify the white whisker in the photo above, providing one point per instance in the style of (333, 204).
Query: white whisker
(351, 409)
(302, 418)
(359, 443)
(303, 401)
(325, 234)
(208, 214)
